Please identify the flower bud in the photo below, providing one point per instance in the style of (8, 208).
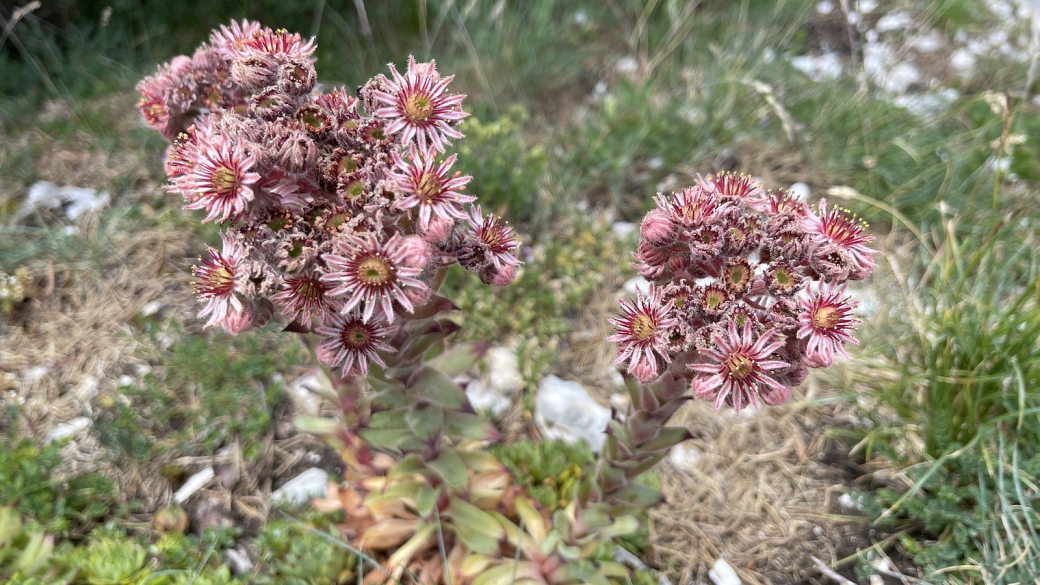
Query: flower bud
(173, 519)
(297, 77)
(773, 396)
(271, 104)
(474, 255)
(498, 276)
(253, 73)
(657, 227)
(415, 252)
(438, 230)
(253, 314)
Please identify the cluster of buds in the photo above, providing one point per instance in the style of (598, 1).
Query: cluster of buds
(747, 291)
(339, 212)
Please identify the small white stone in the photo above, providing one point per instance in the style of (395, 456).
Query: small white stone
(822, 68)
(65, 430)
(565, 410)
(685, 456)
(894, 21)
(655, 163)
(636, 285)
(580, 17)
(628, 559)
(485, 398)
(825, 7)
(928, 43)
(239, 561)
(87, 388)
(35, 373)
(301, 392)
(627, 65)
(800, 190)
(867, 6)
(622, 229)
(818, 531)
(194, 484)
(150, 308)
(127, 380)
(854, 18)
(504, 370)
(723, 574)
(847, 502)
(300, 489)
(963, 61)
(876, 580)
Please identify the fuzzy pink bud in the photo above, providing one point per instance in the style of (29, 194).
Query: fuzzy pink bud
(438, 230)
(415, 252)
(658, 228)
(252, 314)
(498, 276)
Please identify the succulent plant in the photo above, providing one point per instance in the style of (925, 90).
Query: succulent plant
(26, 555)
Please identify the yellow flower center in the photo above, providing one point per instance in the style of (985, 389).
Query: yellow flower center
(643, 327)
(739, 366)
(418, 106)
(428, 187)
(373, 271)
(224, 180)
(825, 318)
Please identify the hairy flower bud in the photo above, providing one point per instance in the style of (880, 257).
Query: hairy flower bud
(254, 73)
(438, 229)
(498, 275)
(272, 103)
(297, 77)
(416, 252)
(657, 227)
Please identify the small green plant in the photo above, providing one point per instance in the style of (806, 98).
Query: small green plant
(291, 554)
(961, 352)
(201, 379)
(507, 172)
(26, 554)
(28, 482)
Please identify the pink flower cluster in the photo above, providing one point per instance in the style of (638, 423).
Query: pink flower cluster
(747, 291)
(337, 210)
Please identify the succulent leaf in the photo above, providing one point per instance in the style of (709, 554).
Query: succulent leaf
(459, 358)
(451, 469)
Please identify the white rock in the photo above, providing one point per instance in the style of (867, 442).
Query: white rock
(150, 308)
(927, 43)
(239, 561)
(35, 373)
(894, 21)
(126, 380)
(300, 392)
(628, 559)
(822, 68)
(867, 6)
(825, 7)
(580, 17)
(565, 410)
(484, 397)
(723, 574)
(636, 285)
(504, 370)
(846, 501)
(78, 200)
(194, 484)
(685, 456)
(627, 65)
(65, 430)
(800, 190)
(300, 489)
(655, 163)
(87, 389)
(622, 229)
(963, 61)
